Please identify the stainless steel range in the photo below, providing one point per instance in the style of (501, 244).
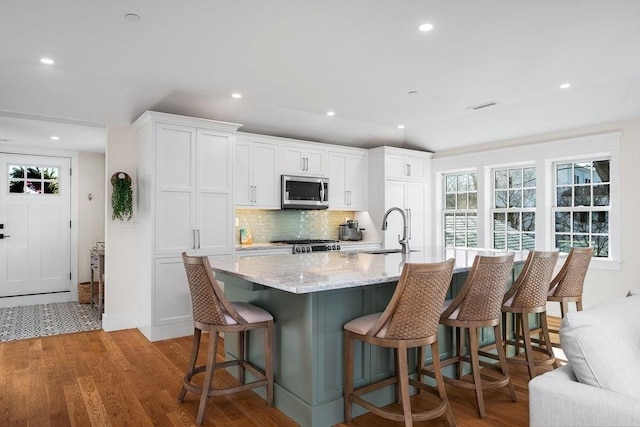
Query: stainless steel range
(308, 246)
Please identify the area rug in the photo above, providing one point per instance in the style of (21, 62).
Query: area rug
(40, 320)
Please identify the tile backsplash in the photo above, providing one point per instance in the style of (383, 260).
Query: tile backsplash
(268, 225)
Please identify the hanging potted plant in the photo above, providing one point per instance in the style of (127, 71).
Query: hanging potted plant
(122, 196)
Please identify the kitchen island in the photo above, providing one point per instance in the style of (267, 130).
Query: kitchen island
(311, 297)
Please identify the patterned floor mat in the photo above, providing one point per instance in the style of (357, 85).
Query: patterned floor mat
(40, 320)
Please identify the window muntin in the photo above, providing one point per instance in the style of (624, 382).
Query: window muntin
(582, 206)
(513, 212)
(37, 180)
(461, 209)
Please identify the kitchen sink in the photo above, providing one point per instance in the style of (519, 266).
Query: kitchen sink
(385, 251)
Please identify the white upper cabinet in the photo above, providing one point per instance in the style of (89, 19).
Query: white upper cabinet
(348, 180)
(402, 165)
(194, 190)
(257, 174)
(304, 159)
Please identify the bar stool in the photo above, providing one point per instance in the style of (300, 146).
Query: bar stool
(410, 320)
(567, 286)
(528, 295)
(476, 306)
(212, 312)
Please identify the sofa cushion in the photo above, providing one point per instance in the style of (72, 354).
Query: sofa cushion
(602, 344)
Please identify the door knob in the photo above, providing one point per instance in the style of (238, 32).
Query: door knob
(2, 236)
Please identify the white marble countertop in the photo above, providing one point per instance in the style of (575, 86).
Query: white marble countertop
(266, 246)
(322, 271)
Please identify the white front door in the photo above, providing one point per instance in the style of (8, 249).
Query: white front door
(35, 238)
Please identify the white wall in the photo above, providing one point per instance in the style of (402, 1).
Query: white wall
(120, 254)
(90, 212)
(603, 282)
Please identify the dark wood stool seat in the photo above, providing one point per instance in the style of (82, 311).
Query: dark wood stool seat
(528, 295)
(410, 320)
(213, 313)
(477, 305)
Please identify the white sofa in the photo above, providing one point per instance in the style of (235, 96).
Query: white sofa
(600, 384)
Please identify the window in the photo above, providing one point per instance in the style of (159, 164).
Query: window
(514, 205)
(33, 179)
(582, 206)
(461, 210)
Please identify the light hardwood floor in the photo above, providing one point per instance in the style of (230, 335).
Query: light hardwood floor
(120, 378)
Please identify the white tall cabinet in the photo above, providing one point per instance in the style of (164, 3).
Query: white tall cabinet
(400, 178)
(185, 204)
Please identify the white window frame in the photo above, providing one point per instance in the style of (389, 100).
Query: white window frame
(590, 209)
(465, 212)
(511, 210)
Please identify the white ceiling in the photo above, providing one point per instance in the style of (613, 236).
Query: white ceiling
(293, 60)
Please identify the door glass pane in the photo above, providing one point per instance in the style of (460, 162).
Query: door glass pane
(33, 172)
(16, 172)
(16, 186)
(33, 187)
(51, 187)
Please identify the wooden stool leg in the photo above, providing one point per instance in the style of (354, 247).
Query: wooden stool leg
(458, 355)
(547, 339)
(517, 332)
(442, 392)
(503, 362)
(241, 354)
(579, 305)
(403, 379)
(420, 365)
(564, 308)
(474, 346)
(398, 389)
(527, 344)
(348, 375)
(208, 375)
(192, 361)
(268, 368)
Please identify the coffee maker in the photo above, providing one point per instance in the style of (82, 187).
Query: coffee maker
(350, 231)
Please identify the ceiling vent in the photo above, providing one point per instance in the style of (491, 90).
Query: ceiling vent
(483, 105)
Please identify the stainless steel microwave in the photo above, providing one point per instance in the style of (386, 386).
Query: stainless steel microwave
(305, 192)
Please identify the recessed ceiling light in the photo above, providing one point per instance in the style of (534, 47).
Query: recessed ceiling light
(331, 113)
(565, 85)
(236, 95)
(413, 92)
(55, 138)
(425, 27)
(400, 126)
(132, 17)
(47, 61)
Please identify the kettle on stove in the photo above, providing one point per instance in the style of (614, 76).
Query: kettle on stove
(350, 231)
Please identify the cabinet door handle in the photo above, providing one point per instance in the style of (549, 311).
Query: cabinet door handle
(409, 170)
(255, 194)
(302, 163)
(193, 232)
(198, 238)
(349, 192)
(346, 197)
(306, 163)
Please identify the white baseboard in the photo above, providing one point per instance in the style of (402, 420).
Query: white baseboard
(118, 322)
(35, 299)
